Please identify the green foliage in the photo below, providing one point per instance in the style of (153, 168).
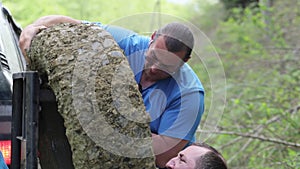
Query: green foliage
(259, 51)
(229, 4)
(261, 63)
(27, 11)
(232, 5)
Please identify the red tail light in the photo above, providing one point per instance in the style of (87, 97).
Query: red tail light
(5, 148)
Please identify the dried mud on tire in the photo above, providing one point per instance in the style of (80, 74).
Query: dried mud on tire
(96, 94)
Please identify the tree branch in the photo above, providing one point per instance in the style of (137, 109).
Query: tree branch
(262, 138)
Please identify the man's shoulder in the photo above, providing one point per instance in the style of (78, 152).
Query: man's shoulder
(188, 80)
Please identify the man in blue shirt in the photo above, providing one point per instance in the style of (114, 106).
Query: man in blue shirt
(172, 93)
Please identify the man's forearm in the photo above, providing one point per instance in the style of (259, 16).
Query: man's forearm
(51, 20)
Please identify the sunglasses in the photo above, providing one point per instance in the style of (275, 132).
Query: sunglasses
(153, 59)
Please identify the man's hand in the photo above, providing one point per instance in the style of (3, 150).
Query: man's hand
(27, 35)
(165, 148)
(42, 23)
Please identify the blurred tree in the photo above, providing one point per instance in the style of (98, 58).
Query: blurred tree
(229, 4)
(27, 11)
(259, 127)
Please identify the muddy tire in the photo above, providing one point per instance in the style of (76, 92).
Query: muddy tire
(101, 110)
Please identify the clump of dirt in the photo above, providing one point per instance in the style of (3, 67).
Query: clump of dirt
(104, 115)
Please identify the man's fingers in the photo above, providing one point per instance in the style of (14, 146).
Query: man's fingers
(27, 35)
(40, 28)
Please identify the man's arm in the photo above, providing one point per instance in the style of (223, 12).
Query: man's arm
(177, 129)
(47, 21)
(165, 148)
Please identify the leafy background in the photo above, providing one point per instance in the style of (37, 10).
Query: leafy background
(258, 43)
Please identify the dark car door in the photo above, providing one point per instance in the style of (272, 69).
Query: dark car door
(12, 61)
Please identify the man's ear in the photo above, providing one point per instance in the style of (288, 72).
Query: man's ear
(153, 35)
(152, 38)
(185, 59)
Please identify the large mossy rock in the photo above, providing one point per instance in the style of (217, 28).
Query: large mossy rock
(102, 110)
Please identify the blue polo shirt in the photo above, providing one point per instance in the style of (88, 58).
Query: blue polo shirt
(175, 104)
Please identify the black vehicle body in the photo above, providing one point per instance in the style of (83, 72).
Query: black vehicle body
(12, 62)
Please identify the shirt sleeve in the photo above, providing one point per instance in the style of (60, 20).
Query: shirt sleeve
(122, 36)
(182, 118)
(119, 33)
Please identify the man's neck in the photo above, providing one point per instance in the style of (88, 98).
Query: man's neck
(146, 81)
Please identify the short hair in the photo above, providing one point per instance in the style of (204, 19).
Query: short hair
(211, 159)
(178, 37)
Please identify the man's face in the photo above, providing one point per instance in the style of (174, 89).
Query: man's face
(160, 63)
(186, 159)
